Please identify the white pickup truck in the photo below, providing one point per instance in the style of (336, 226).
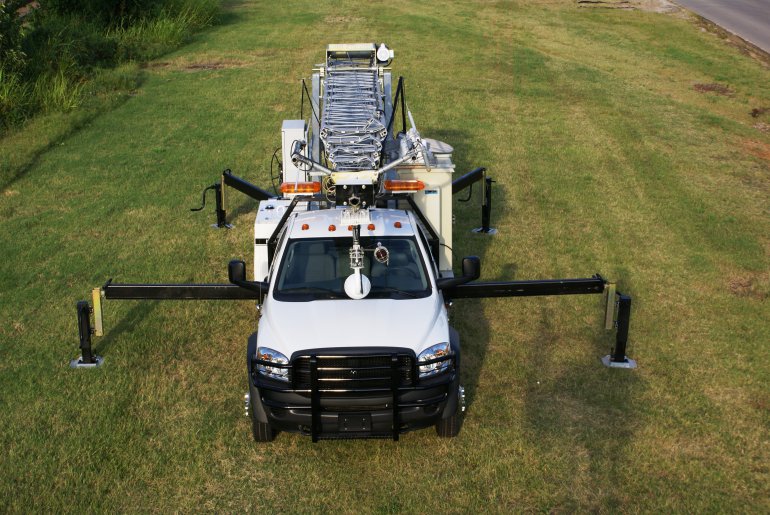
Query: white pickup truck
(340, 357)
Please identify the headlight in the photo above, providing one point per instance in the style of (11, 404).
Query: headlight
(273, 356)
(437, 351)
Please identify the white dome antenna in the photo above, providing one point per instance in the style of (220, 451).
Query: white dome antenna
(384, 53)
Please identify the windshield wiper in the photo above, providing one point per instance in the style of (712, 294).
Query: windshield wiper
(313, 289)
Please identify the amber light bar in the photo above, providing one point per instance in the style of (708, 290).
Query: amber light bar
(300, 187)
(404, 185)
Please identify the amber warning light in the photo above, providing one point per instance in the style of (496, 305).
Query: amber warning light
(404, 185)
(300, 187)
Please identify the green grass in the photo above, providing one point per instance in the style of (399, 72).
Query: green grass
(63, 48)
(606, 160)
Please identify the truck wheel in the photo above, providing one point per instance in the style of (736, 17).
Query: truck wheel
(261, 431)
(450, 427)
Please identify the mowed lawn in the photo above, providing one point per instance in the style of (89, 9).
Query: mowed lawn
(608, 158)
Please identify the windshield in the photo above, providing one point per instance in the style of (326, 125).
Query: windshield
(315, 269)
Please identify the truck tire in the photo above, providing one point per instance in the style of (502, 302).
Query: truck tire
(449, 427)
(261, 431)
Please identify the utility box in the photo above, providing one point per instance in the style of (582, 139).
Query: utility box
(435, 201)
(291, 131)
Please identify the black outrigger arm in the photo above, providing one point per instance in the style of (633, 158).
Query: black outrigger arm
(617, 305)
(237, 183)
(238, 289)
(617, 310)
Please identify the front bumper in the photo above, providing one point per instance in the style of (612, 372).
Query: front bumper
(325, 408)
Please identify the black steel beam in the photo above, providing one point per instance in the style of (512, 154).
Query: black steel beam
(621, 337)
(315, 400)
(466, 180)
(535, 288)
(272, 242)
(395, 385)
(84, 328)
(113, 291)
(245, 186)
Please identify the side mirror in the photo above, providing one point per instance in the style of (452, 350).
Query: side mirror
(236, 274)
(471, 268)
(236, 271)
(471, 272)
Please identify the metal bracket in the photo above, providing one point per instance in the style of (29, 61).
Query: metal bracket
(627, 363)
(79, 363)
(96, 299)
(611, 303)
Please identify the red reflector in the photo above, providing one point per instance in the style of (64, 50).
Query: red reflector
(397, 225)
(300, 187)
(370, 227)
(332, 228)
(305, 227)
(350, 227)
(404, 185)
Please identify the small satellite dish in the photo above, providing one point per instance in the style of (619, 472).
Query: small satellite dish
(384, 53)
(357, 286)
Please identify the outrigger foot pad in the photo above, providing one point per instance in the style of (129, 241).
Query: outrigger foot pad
(225, 226)
(79, 363)
(482, 230)
(627, 363)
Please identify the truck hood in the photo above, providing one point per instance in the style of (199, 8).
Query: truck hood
(415, 324)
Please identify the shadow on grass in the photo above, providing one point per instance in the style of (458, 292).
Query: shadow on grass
(87, 115)
(136, 316)
(581, 413)
(468, 315)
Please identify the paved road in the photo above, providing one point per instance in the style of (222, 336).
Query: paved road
(749, 19)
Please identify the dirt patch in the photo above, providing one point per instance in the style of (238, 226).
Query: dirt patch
(342, 20)
(760, 403)
(750, 285)
(713, 87)
(758, 149)
(658, 6)
(219, 64)
(761, 126)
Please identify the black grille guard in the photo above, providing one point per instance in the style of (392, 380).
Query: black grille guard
(395, 389)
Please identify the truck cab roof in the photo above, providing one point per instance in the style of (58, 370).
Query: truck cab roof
(325, 223)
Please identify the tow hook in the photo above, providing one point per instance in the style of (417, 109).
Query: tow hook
(246, 399)
(461, 395)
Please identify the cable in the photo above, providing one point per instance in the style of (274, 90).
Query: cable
(310, 99)
(454, 256)
(280, 169)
